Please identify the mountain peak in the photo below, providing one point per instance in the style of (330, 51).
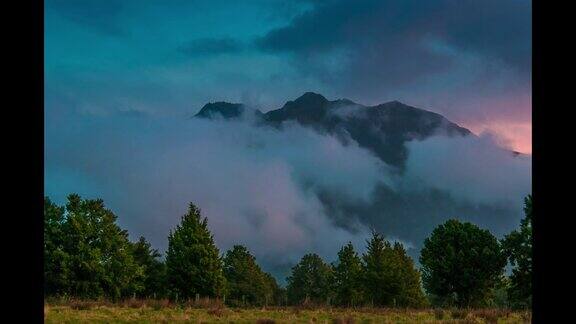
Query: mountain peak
(225, 109)
(311, 96)
(309, 99)
(395, 104)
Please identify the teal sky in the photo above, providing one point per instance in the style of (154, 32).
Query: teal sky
(469, 60)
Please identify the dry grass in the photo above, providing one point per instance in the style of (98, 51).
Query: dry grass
(265, 321)
(163, 311)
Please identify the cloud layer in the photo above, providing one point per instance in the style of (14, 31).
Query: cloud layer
(281, 193)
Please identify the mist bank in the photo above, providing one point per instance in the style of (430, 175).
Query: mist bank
(281, 192)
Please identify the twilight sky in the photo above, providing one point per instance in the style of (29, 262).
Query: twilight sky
(122, 77)
(466, 59)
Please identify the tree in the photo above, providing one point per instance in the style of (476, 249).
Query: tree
(389, 275)
(87, 253)
(518, 248)
(246, 281)
(461, 263)
(276, 294)
(347, 277)
(154, 270)
(310, 281)
(193, 263)
(55, 258)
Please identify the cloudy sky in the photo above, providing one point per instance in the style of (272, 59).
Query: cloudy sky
(122, 77)
(469, 60)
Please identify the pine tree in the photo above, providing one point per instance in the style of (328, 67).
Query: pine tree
(246, 281)
(153, 280)
(389, 276)
(347, 277)
(310, 281)
(193, 262)
(275, 294)
(408, 276)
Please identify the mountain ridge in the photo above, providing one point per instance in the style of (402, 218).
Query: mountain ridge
(383, 129)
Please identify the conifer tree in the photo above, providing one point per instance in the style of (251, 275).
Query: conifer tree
(310, 281)
(275, 294)
(193, 262)
(246, 281)
(348, 277)
(154, 270)
(389, 276)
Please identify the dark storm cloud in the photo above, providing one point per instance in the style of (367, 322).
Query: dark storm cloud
(100, 15)
(393, 43)
(211, 46)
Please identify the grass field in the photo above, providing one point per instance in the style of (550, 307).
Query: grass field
(157, 312)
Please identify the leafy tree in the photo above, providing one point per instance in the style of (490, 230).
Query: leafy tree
(55, 258)
(193, 263)
(154, 270)
(518, 248)
(246, 281)
(389, 275)
(87, 253)
(348, 277)
(498, 297)
(310, 281)
(461, 263)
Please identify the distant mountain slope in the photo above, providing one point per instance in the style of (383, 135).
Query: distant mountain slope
(223, 109)
(383, 129)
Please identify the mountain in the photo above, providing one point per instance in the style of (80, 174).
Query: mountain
(224, 109)
(382, 129)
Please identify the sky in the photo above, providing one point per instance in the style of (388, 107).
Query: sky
(123, 78)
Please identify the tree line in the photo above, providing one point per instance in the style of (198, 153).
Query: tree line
(87, 255)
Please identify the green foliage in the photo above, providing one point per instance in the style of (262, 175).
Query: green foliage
(518, 248)
(86, 253)
(278, 294)
(389, 275)
(499, 294)
(310, 281)
(348, 277)
(193, 263)
(55, 258)
(154, 270)
(461, 264)
(247, 283)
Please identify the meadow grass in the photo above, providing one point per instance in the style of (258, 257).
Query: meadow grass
(154, 311)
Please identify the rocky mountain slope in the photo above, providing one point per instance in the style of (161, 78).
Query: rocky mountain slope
(382, 129)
